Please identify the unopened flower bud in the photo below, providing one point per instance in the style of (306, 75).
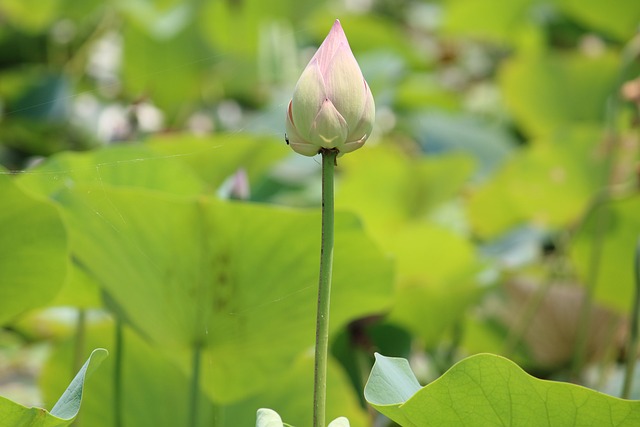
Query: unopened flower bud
(332, 106)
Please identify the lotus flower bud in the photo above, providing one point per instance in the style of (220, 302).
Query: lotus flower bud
(332, 106)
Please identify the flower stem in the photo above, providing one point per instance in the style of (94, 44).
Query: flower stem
(632, 348)
(324, 289)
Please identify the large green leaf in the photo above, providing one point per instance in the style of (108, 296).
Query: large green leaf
(238, 279)
(549, 184)
(616, 226)
(79, 290)
(619, 19)
(134, 165)
(547, 92)
(63, 412)
(435, 267)
(501, 21)
(489, 390)
(435, 282)
(177, 164)
(33, 251)
(387, 187)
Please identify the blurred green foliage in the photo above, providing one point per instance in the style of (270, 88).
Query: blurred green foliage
(505, 150)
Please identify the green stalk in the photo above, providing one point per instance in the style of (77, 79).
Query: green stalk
(195, 385)
(632, 346)
(117, 372)
(217, 415)
(324, 289)
(78, 356)
(81, 332)
(517, 333)
(629, 55)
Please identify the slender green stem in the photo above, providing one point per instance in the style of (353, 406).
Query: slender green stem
(529, 311)
(324, 289)
(632, 347)
(629, 56)
(457, 332)
(584, 317)
(217, 415)
(117, 372)
(556, 264)
(195, 385)
(81, 332)
(78, 356)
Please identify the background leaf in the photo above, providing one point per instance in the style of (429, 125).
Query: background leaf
(33, 251)
(238, 278)
(620, 22)
(619, 225)
(547, 92)
(549, 184)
